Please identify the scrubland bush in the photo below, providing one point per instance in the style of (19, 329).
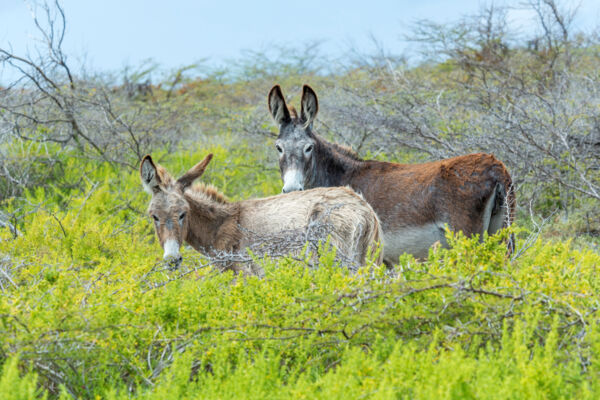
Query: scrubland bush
(88, 310)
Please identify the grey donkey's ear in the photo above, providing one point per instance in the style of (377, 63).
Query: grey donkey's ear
(277, 106)
(194, 173)
(149, 175)
(309, 105)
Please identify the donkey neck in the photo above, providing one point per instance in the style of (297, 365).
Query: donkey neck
(209, 213)
(335, 165)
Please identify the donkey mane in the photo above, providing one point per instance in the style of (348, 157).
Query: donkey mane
(346, 151)
(293, 114)
(200, 188)
(338, 148)
(210, 191)
(166, 180)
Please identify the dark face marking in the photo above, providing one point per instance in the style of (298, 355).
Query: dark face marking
(296, 149)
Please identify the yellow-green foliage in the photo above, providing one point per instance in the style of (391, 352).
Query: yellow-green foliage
(14, 386)
(88, 311)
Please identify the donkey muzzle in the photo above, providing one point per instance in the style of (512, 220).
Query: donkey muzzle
(293, 180)
(171, 254)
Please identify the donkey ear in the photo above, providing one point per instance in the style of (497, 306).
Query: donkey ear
(277, 106)
(309, 105)
(149, 175)
(194, 173)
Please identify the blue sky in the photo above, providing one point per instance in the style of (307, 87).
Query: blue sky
(110, 34)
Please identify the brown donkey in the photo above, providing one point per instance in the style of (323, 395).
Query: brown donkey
(202, 217)
(471, 193)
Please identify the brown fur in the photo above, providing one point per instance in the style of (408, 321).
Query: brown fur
(293, 113)
(453, 190)
(212, 224)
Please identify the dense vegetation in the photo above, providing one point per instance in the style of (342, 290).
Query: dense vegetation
(87, 308)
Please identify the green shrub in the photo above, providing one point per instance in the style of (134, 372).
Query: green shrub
(91, 312)
(17, 386)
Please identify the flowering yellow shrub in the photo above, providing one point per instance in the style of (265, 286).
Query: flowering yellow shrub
(88, 310)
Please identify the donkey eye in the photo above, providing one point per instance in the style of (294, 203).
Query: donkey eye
(308, 148)
(279, 148)
(181, 216)
(155, 218)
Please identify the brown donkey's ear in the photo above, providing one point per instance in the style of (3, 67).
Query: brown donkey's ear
(194, 173)
(277, 106)
(149, 174)
(309, 105)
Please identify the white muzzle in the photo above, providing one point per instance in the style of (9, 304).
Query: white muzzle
(293, 180)
(172, 251)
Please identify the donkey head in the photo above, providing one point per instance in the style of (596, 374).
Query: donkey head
(296, 142)
(169, 208)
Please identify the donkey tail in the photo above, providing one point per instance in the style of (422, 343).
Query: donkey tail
(500, 210)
